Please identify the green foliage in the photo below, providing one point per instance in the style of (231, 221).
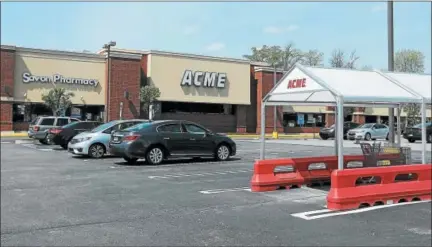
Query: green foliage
(411, 61)
(277, 56)
(148, 94)
(58, 100)
(312, 58)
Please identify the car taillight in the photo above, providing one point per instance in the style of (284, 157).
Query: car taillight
(36, 128)
(55, 131)
(130, 138)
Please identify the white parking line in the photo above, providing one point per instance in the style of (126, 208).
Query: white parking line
(207, 192)
(32, 146)
(330, 213)
(180, 175)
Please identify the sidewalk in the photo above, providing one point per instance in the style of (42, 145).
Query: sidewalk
(14, 134)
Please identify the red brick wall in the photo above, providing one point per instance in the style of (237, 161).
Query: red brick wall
(7, 80)
(264, 85)
(125, 76)
(6, 117)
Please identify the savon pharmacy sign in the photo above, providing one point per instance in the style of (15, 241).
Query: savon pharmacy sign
(57, 78)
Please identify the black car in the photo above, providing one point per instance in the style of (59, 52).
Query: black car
(61, 136)
(326, 133)
(413, 134)
(158, 140)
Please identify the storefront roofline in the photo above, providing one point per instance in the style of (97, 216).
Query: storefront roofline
(186, 55)
(268, 69)
(53, 52)
(8, 47)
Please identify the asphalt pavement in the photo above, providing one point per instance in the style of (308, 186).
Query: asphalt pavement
(52, 198)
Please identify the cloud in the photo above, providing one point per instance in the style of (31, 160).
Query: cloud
(188, 30)
(379, 7)
(217, 46)
(278, 30)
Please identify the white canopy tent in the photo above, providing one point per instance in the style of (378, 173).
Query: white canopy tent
(421, 85)
(303, 85)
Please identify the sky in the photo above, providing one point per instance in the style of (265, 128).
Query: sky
(227, 29)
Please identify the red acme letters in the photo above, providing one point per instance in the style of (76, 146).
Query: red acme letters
(297, 83)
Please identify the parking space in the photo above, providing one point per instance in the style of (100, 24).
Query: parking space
(53, 198)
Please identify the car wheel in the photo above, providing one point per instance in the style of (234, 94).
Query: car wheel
(429, 139)
(64, 146)
(49, 139)
(222, 152)
(130, 161)
(411, 140)
(155, 156)
(324, 137)
(387, 137)
(43, 141)
(96, 151)
(368, 137)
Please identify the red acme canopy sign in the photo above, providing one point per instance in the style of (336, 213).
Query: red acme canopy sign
(297, 83)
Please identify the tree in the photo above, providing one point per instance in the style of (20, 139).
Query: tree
(58, 100)
(148, 95)
(410, 61)
(338, 60)
(282, 58)
(312, 58)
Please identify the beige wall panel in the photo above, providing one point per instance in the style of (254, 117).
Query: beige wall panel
(166, 73)
(67, 66)
(304, 109)
(384, 112)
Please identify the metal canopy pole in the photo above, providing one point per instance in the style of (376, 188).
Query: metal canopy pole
(423, 130)
(390, 64)
(339, 133)
(335, 130)
(399, 129)
(262, 150)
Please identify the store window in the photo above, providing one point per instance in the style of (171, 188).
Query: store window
(180, 107)
(304, 120)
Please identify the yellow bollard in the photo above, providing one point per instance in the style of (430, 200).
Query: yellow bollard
(275, 135)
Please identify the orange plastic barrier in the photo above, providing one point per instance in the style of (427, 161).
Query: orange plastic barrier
(272, 174)
(393, 184)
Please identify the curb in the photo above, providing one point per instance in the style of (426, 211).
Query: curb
(14, 134)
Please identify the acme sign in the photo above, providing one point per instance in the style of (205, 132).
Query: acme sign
(203, 79)
(56, 78)
(297, 83)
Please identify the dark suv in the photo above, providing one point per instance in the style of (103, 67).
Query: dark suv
(413, 134)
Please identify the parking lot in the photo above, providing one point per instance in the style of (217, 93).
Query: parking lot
(49, 197)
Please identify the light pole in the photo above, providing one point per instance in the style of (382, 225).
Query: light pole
(108, 46)
(274, 107)
(390, 47)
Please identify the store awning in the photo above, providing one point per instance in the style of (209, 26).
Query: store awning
(321, 86)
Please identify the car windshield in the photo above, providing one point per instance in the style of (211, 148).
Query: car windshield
(34, 121)
(420, 125)
(103, 126)
(365, 126)
(69, 125)
(138, 127)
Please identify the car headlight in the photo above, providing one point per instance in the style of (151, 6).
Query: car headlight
(83, 139)
(332, 130)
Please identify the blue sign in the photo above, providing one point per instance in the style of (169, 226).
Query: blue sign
(300, 119)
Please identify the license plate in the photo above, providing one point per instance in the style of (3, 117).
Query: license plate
(115, 139)
(410, 135)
